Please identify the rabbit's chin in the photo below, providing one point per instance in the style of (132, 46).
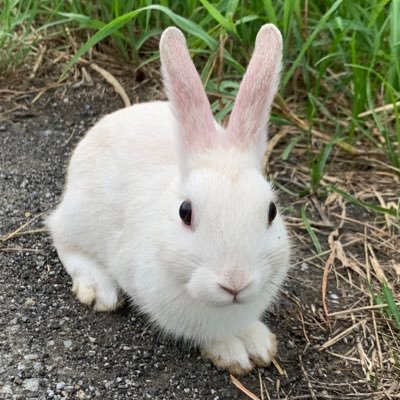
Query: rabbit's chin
(201, 321)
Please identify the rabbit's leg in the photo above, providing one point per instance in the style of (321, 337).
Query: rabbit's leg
(91, 284)
(255, 346)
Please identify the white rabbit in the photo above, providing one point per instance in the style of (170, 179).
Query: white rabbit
(166, 205)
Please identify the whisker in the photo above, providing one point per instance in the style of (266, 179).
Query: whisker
(273, 252)
(184, 260)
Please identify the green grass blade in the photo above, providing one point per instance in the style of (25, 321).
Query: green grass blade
(321, 25)
(270, 11)
(246, 19)
(83, 20)
(390, 211)
(310, 231)
(393, 308)
(288, 6)
(394, 38)
(289, 148)
(224, 22)
(117, 23)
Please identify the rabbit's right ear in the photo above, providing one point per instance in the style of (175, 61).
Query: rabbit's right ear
(250, 114)
(185, 91)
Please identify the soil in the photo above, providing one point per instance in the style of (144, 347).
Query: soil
(52, 347)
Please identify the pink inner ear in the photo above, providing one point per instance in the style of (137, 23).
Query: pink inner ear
(185, 91)
(250, 113)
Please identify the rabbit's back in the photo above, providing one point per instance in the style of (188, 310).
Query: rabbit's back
(138, 137)
(123, 163)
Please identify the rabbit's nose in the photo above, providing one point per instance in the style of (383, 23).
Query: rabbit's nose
(233, 292)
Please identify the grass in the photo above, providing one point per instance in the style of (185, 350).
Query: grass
(310, 230)
(338, 109)
(341, 58)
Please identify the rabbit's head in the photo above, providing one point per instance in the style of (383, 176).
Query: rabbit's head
(229, 245)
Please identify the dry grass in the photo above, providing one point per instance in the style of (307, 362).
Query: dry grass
(350, 320)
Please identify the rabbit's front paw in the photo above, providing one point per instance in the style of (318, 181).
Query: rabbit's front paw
(255, 346)
(103, 297)
(91, 285)
(260, 343)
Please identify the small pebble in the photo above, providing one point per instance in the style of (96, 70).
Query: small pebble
(18, 380)
(304, 267)
(21, 367)
(31, 384)
(81, 394)
(37, 366)
(30, 302)
(290, 344)
(31, 357)
(6, 389)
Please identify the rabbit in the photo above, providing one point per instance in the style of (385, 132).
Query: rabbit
(165, 205)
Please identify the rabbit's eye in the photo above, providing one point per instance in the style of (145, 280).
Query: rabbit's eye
(185, 212)
(272, 212)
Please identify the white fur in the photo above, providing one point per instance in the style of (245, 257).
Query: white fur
(118, 228)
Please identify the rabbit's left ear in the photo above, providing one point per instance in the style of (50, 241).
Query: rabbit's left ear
(250, 114)
(185, 91)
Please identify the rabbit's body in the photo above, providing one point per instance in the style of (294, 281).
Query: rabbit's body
(118, 167)
(206, 273)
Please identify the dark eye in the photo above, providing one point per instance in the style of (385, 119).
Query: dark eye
(272, 212)
(185, 212)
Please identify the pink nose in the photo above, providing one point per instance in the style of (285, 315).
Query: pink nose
(233, 292)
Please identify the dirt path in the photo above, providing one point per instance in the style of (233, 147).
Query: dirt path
(53, 347)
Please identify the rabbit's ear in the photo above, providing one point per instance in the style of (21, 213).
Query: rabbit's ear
(185, 91)
(250, 114)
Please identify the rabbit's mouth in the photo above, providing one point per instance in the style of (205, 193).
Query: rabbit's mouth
(224, 300)
(227, 304)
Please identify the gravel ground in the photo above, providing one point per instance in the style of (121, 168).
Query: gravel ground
(51, 346)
